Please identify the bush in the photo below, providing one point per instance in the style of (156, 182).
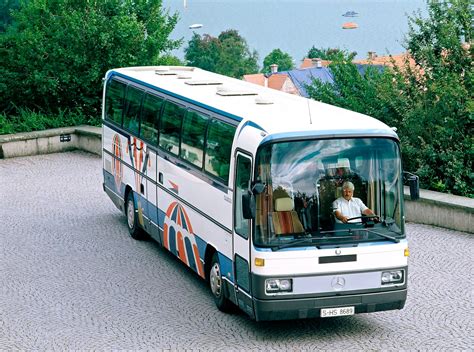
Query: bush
(27, 120)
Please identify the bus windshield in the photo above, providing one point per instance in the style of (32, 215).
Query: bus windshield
(303, 179)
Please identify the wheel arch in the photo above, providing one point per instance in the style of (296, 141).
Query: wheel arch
(210, 250)
(128, 189)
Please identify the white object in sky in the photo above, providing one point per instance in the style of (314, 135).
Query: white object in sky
(195, 26)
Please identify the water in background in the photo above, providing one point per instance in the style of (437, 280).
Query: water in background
(295, 26)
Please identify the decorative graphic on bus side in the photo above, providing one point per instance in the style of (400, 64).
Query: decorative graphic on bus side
(179, 239)
(116, 162)
(139, 159)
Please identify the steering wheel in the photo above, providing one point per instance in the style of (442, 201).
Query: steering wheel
(364, 218)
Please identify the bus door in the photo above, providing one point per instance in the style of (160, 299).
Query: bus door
(241, 234)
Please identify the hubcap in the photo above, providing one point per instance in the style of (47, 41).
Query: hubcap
(130, 214)
(215, 279)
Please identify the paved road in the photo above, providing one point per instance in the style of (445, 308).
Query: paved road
(71, 278)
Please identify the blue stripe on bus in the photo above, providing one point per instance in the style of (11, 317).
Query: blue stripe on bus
(226, 266)
(330, 133)
(190, 254)
(172, 240)
(157, 215)
(251, 124)
(109, 181)
(177, 96)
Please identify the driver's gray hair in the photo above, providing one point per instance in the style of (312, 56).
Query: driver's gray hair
(348, 185)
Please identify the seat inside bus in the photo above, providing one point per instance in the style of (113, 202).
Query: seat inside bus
(284, 218)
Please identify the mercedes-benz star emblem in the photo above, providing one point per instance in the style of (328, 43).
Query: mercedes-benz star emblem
(338, 283)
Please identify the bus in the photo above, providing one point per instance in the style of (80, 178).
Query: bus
(238, 182)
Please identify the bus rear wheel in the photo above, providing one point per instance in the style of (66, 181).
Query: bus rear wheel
(217, 285)
(132, 218)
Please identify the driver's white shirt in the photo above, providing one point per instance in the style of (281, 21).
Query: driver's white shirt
(349, 208)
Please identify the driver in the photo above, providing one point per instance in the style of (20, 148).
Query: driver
(347, 207)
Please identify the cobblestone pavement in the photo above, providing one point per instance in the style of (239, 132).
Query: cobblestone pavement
(72, 279)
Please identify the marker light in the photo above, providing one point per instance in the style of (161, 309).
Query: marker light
(278, 285)
(259, 262)
(406, 252)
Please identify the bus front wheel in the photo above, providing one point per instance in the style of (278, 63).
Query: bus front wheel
(132, 218)
(217, 285)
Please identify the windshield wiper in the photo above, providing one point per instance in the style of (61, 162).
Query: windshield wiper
(303, 240)
(350, 231)
(396, 240)
(389, 224)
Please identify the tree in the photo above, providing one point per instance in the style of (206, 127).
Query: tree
(6, 7)
(278, 57)
(330, 54)
(438, 89)
(56, 52)
(227, 54)
(429, 99)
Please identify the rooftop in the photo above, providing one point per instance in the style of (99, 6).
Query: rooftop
(276, 112)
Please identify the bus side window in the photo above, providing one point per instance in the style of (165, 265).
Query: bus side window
(194, 131)
(149, 118)
(218, 148)
(114, 101)
(133, 101)
(170, 127)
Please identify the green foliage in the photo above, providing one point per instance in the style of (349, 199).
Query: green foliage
(27, 120)
(439, 93)
(429, 99)
(228, 54)
(352, 89)
(330, 54)
(55, 53)
(6, 7)
(278, 57)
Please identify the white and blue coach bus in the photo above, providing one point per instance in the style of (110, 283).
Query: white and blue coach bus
(238, 182)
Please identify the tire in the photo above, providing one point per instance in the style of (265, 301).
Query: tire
(132, 218)
(217, 286)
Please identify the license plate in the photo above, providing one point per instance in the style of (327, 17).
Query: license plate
(337, 312)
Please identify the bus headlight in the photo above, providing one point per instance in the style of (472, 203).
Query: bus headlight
(393, 277)
(278, 285)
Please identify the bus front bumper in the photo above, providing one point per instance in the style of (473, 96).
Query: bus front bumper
(311, 307)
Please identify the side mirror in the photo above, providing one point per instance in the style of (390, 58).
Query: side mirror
(248, 205)
(258, 188)
(414, 184)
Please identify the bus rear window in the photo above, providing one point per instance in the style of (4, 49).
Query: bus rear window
(218, 148)
(114, 101)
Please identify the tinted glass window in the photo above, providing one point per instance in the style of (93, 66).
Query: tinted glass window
(114, 101)
(149, 120)
(133, 100)
(194, 131)
(242, 184)
(170, 127)
(218, 148)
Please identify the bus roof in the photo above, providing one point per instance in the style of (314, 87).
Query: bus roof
(274, 112)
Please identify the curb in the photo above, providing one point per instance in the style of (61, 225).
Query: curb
(433, 208)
